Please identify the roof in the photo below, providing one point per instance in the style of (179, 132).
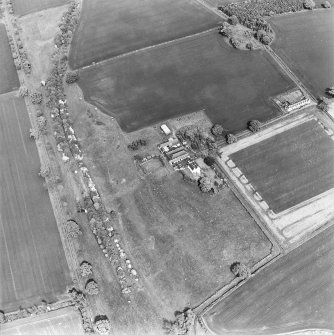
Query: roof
(165, 129)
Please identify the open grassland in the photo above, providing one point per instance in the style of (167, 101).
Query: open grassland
(65, 321)
(23, 7)
(184, 241)
(290, 167)
(32, 261)
(305, 42)
(196, 73)
(115, 27)
(9, 79)
(295, 292)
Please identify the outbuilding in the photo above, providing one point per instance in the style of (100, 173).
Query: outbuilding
(165, 129)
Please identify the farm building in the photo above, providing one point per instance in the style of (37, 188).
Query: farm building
(165, 129)
(292, 100)
(177, 155)
(171, 143)
(194, 168)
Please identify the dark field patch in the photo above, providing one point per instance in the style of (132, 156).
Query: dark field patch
(114, 27)
(23, 7)
(32, 261)
(294, 293)
(9, 79)
(183, 241)
(232, 86)
(305, 41)
(61, 322)
(290, 167)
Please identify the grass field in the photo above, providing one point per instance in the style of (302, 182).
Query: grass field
(290, 167)
(202, 72)
(23, 7)
(184, 241)
(295, 292)
(32, 261)
(305, 42)
(9, 79)
(65, 321)
(128, 25)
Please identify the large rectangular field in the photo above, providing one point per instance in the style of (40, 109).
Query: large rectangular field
(119, 26)
(305, 41)
(23, 7)
(184, 241)
(32, 261)
(290, 167)
(9, 79)
(66, 321)
(296, 292)
(196, 73)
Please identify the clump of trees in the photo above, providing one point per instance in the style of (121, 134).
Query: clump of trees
(182, 324)
(205, 184)
(240, 270)
(92, 287)
(36, 97)
(233, 20)
(102, 324)
(73, 229)
(135, 145)
(309, 4)
(71, 77)
(198, 138)
(254, 126)
(230, 138)
(85, 269)
(23, 91)
(208, 160)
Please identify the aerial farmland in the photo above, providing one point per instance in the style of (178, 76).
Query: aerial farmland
(166, 167)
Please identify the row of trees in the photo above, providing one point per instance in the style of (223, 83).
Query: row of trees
(135, 145)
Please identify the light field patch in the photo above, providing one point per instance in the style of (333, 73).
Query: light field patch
(24, 7)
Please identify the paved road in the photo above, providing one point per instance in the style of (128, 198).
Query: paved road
(295, 292)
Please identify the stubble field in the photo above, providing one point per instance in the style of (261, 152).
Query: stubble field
(290, 167)
(296, 292)
(200, 72)
(32, 261)
(115, 27)
(9, 79)
(305, 41)
(23, 7)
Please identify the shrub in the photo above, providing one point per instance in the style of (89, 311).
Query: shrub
(92, 288)
(230, 138)
(217, 130)
(73, 229)
(254, 125)
(240, 270)
(71, 77)
(233, 20)
(309, 4)
(326, 4)
(102, 324)
(210, 161)
(205, 184)
(85, 269)
(23, 91)
(36, 98)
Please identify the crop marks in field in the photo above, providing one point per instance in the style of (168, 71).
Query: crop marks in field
(111, 28)
(9, 79)
(196, 73)
(32, 261)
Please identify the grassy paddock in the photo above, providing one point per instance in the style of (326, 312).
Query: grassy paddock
(183, 241)
(110, 28)
(296, 292)
(32, 261)
(305, 41)
(24, 7)
(8, 75)
(290, 167)
(203, 72)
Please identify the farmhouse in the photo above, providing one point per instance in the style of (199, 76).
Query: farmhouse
(292, 100)
(194, 168)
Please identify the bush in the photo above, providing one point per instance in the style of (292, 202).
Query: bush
(92, 288)
(326, 4)
(309, 4)
(240, 270)
(102, 324)
(71, 77)
(36, 98)
(85, 269)
(254, 126)
(210, 161)
(23, 91)
(230, 138)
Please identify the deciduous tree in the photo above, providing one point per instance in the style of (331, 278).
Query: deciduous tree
(240, 270)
